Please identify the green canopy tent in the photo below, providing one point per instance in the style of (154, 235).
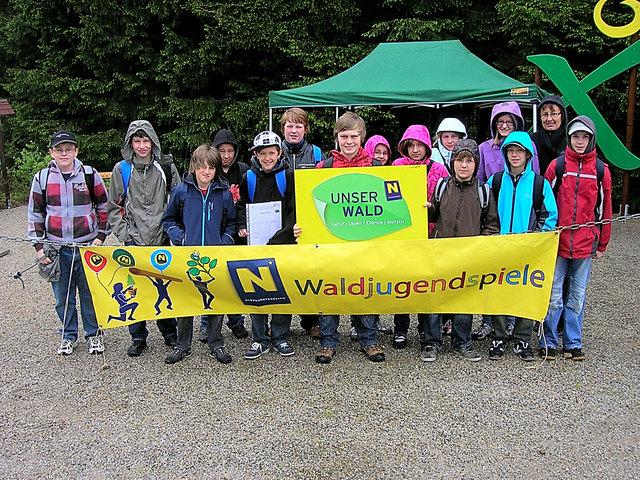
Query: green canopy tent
(411, 74)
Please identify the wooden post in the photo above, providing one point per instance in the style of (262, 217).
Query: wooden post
(631, 108)
(5, 177)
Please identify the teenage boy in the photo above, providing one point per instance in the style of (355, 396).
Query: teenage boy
(136, 208)
(461, 207)
(68, 204)
(270, 179)
(201, 212)
(525, 204)
(300, 154)
(582, 185)
(231, 171)
(349, 132)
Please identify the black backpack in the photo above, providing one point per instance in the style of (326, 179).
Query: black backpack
(600, 167)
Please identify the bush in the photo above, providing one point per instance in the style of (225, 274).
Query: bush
(24, 168)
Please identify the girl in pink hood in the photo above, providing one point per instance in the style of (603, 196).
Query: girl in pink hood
(379, 149)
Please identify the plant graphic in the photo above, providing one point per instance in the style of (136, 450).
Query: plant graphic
(199, 265)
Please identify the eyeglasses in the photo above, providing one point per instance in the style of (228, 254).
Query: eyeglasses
(546, 116)
(506, 123)
(65, 150)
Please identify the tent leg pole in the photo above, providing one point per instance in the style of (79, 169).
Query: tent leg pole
(270, 120)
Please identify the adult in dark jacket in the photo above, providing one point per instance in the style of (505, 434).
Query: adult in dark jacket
(551, 138)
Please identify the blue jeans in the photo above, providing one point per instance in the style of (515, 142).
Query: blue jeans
(65, 294)
(280, 324)
(460, 331)
(573, 275)
(366, 326)
(233, 320)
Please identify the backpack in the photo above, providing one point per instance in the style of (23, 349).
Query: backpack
(317, 154)
(538, 188)
(88, 179)
(281, 180)
(483, 193)
(165, 169)
(600, 166)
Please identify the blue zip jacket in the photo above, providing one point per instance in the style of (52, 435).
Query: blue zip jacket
(203, 219)
(515, 199)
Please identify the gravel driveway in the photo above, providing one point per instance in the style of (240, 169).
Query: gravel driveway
(275, 417)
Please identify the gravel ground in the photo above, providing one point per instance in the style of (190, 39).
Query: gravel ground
(68, 417)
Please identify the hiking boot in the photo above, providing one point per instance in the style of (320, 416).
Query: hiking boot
(314, 332)
(482, 332)
(66, 347)
(548, 353)
(496, 351)
(176, 355)
(373, 352)
(202, 336)
(95, 344)
(428, 353)
(255, 351)
(136, 348)
(221, 355)
(523, 350)
(284, 349)
(384, 328)
(353, 334)
(239, 331)
(468, 353)
(509, 330)
(325, 355)
(400, 340)
(171, 341)
(574, 354)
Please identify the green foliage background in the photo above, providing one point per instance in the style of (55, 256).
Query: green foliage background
(192, 67)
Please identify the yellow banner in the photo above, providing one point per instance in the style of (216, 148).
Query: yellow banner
(337, 205)
(505, 274)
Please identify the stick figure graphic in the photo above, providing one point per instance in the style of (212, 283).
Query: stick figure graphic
(163, 293)
(203, 288)
(126, 304)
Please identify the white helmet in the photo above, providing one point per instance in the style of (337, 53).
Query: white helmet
(266, 139)
(451, 124)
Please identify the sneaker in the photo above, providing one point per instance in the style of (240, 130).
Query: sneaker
(66, 347)
(496, 351)
(509, 330)
(574, 354)
(429, 353)
(447, 327)
(373, 352)
(400, 340)
(384, 328)
(325, 355)
(314, 332)
(221, 355)
(255, 351)
(240, 332)
(176, 355)
(523, 350)
(548, 353)
(284, 349)
(482, 332)
(468, 353)
(95, 344)
(136, 348)
(202, 336)
(353, 334)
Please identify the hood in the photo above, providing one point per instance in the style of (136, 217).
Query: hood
(416, 132)
(524, 140)
(589, 123)
(226, 136)
(556, 100)
(371, 144)
(145, 126)
(506, 107)
(466, 144)
(451, 124)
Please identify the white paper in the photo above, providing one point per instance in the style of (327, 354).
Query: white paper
(263, 220)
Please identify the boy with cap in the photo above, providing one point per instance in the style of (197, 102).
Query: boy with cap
(68, 204)
(525, 203)
(582, 186)
(461, 207)
(138, 195)
(270, 179)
